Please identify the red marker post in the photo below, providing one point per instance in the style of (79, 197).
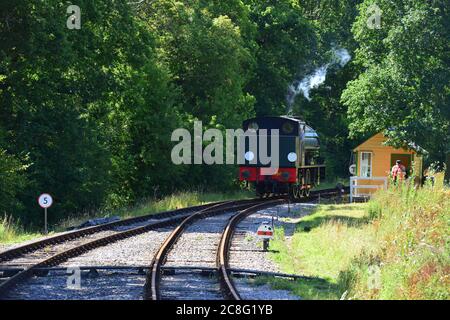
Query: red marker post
(45, 201)
(265, 232)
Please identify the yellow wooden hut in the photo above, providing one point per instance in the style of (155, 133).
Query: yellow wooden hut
(373, 161)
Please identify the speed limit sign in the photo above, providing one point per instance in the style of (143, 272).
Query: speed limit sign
(45, 200)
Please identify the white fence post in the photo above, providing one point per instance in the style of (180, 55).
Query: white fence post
(352, 180)
(354, 185)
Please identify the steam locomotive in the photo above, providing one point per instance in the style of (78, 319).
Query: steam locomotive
(300, 167)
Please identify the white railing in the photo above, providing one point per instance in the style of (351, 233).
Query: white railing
(354, 185)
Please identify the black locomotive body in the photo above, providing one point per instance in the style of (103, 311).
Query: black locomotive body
(298, 168)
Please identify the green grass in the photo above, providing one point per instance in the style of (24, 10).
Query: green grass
(12, 232)
(412, 246)
(323, 245)
(396, 246)
(331, 184)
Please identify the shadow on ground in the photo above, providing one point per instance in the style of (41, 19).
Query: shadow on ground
(309, 289)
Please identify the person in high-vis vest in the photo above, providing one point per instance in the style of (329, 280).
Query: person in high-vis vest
(398, 171)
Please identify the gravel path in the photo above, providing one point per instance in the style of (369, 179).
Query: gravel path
(135, 251)
(5, 247)
(197, 246)
(51, 250)
(108, 285)
(189, 285)
(246, 249)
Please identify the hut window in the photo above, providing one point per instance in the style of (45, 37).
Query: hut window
(366, 164)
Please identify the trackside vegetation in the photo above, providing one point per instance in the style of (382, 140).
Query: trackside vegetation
(87, 114)
(12, 231)
(394, 247)
(412, 246)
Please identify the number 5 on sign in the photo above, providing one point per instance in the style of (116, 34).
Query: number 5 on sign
(45, 201)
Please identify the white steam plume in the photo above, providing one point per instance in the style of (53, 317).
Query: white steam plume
(340, 58)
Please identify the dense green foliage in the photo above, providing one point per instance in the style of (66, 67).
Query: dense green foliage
(84, 107)
(87, 114)
(285, 41)
(332, 21)
(405, 83)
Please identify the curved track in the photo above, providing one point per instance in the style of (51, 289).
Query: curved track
(154, 278)
(228, 289)
(13, 253)
(55, 250)
(41, 255)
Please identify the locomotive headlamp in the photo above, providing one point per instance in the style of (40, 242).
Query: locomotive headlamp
(292, 157)
(249, 156)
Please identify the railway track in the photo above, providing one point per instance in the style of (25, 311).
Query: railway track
(14, 253)
(41, 256)
(26, 261)
(77, 234)
(191, 279)
(184, 282)
(227, 285)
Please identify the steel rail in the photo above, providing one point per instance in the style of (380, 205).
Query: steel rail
(151, 289)
(76, 234)
(227, 286)
(141, 268)
(78, 250)
(164, 219)
(222, 262)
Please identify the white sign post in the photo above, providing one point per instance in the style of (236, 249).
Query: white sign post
(45, 201)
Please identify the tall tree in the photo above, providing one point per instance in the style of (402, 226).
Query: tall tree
(73, 101)
(404, 89)
(285, 42)
(331, 21)
(203, 43)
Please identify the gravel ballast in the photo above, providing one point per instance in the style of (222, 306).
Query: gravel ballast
(247, 253)
(196, 247)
